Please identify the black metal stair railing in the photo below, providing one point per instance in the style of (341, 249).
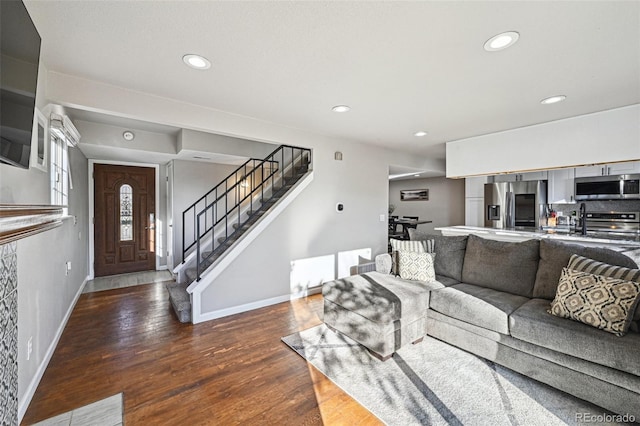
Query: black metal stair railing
(238, 200)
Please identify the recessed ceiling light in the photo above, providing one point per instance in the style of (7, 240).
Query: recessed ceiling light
(341, 108)
(128, 135)
(420, 134)
(196, 62)
(416, 175)
(501, 41)
(553, 99)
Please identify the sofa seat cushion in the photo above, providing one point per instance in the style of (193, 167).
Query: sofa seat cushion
(532, 323)
(500, 265)
(446, 281)
(481, 306)
(555, 255)
(380, 297)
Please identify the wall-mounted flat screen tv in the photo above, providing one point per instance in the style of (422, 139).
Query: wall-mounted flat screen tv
(20, 50)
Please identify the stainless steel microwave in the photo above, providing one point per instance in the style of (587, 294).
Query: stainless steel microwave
(619, 187)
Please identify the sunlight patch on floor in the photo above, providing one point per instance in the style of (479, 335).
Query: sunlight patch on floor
(330, 398)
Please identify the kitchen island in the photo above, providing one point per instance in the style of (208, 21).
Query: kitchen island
(629, 246)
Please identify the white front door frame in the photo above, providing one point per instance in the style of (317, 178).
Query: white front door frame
(169, 217)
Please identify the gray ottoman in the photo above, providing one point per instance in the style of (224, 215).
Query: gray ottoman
(379, 311)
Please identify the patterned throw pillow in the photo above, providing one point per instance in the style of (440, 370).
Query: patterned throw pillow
(407, 245)
(584, 264)
(416, 266)
(404, 245)
(599, 301)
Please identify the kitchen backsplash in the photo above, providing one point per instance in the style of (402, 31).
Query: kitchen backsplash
(600, 206)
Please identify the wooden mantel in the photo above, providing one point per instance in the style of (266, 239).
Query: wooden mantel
(21, 220)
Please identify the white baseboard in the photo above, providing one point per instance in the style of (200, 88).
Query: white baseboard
(31, 389)
(208, 316)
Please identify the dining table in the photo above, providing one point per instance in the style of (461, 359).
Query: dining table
(406, 224)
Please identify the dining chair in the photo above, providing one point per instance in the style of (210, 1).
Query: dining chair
(408, 226)
(393, 226)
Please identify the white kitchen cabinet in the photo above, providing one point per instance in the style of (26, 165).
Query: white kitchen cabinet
(517, 177)
(474, 211)
(474, 186)
(588, 171)
(541, 175)
(623, 168)
(560, 186)
(609, 169)
(509, 177)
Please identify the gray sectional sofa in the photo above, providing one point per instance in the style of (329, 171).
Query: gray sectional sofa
(491, 299)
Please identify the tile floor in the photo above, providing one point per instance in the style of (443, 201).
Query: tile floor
(107, 412)
(126, 280)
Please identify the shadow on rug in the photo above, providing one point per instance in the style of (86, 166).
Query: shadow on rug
(436, 384)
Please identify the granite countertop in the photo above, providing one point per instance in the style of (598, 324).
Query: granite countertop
(568, 237)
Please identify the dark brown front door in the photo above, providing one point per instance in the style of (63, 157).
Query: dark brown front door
(124, 219)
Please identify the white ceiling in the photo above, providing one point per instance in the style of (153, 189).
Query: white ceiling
(401, 66)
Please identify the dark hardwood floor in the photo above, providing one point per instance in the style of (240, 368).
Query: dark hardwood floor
(234, 370)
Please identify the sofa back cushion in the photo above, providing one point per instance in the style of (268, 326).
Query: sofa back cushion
(555, 255)
(504, 266)
(449, 252)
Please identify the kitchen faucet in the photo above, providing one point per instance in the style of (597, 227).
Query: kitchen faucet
(583, 218)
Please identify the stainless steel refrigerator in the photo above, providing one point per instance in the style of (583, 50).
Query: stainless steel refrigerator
(510, 205)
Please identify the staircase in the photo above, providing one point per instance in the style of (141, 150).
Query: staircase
(218, 220)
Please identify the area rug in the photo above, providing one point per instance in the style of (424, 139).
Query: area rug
(433, 383)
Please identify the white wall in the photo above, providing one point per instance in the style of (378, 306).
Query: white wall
(603, 137)
(311, 227)
(191, 180)
(45, 293)
(445, 206)
(100, 135)
(191, 140)
(23, 186)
